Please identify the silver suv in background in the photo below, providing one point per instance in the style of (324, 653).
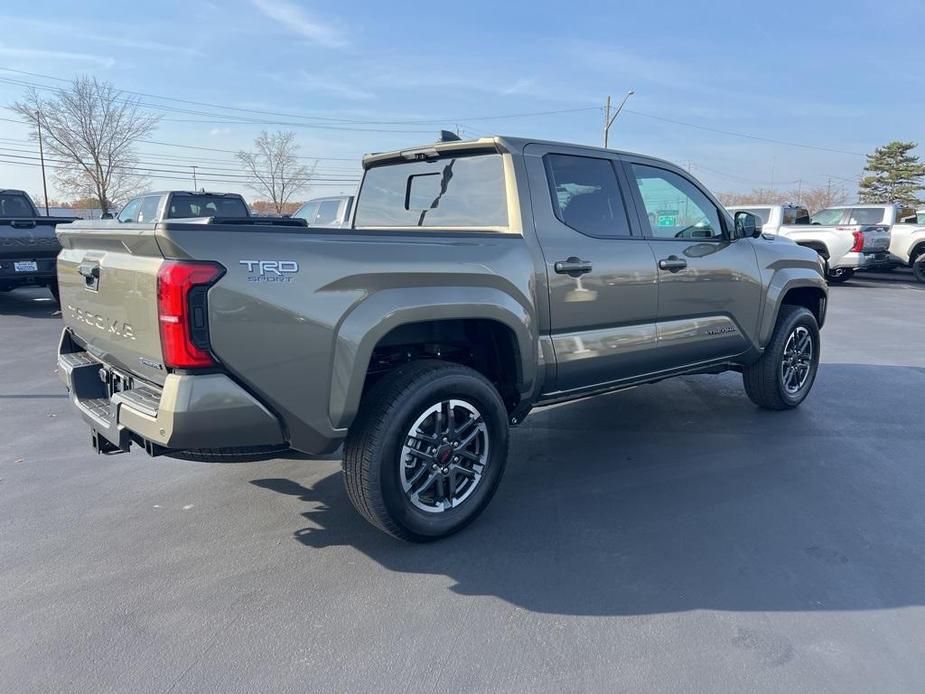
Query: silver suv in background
(330, 212)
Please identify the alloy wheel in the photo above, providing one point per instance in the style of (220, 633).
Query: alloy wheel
(797, 361)
(444, 456)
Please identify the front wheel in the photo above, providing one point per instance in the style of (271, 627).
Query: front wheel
(427, 450)
(783, 376)
(918, 268)
(839, 275)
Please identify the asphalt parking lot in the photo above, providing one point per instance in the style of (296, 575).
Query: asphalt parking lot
(669, 538)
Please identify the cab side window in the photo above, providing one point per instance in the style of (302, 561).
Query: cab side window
(129, 213)
(675, 207)
(866, 215)
(586, 195)
(149, 205)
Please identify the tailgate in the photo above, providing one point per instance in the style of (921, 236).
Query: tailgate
(876, 238)
(27, 238)
(108, 284)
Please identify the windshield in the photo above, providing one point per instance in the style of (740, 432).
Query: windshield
(15, 205)
(183, 206)
(827, 217)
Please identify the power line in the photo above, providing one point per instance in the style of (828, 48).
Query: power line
(419, 121)
(744, 135)
(174, 178)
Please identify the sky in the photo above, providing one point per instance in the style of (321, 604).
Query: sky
(723, 88)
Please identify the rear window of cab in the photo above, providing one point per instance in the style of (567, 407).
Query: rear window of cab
(450, 192)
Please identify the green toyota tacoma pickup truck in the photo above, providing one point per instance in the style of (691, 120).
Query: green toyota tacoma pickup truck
(476, 280)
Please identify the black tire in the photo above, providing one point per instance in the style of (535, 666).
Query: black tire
(764, 380)
(839, 275)
(373, 464)
(918, 268)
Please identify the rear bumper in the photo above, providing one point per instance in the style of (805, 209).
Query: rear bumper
(864, 261)
(44, 273)
(202, 411)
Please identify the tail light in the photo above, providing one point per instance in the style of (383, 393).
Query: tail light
(858, 242)
(182, 312)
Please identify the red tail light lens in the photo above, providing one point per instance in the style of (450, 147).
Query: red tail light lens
(182, 312)
(858, 242)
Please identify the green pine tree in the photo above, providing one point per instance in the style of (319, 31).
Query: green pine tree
(893, 175)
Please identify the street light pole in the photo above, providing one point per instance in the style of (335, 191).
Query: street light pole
(195, 184)
(608, 119)
(38, 125)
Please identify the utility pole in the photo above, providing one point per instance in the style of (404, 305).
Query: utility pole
(608, 119)
(195, 184)
(38, 125)
(799, 191)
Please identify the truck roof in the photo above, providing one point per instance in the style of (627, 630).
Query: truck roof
(492, 143)
(188, 192)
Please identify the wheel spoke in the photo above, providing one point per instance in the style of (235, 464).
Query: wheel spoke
(450, 419)
(416, 477)
(451, 483)
(464, 471)
(468, 455)
(421, 455)
(471, 436)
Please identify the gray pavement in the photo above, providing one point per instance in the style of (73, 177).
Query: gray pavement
(670, 538)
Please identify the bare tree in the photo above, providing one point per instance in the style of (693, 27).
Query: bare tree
(814, 199)
(91, 127)
(820, 197)
(275, 167)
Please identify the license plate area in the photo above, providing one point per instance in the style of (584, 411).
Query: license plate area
(25, 266)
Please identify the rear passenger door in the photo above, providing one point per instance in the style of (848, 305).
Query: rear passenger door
(602, 278)
(709, 286)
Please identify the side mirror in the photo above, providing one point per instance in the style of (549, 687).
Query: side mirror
(747, 225)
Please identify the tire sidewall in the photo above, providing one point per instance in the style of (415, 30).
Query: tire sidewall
(805, 319)
(918, 268)
(455, 384)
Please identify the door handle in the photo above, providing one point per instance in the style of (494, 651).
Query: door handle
(672, 263)
(573, 267)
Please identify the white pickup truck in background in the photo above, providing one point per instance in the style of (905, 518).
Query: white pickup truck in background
(849, 238)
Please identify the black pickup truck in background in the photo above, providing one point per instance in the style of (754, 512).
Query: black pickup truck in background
(28, 245)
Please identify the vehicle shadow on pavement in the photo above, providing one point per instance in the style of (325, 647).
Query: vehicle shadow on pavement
(30, 302)
(684, 496)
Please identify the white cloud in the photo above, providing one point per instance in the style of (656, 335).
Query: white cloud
(113, 38)
(40, 54)
(335, 87)
(299, 21)
(219, 131)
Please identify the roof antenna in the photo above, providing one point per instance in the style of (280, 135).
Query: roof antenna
(449, 136)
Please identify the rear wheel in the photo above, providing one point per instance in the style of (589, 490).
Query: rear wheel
(839, 275)
(427, 450)
(785, 374)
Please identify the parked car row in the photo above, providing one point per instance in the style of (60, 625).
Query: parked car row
(851, 237)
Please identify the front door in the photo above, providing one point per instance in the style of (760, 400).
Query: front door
(602, 279)
(709, 287)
